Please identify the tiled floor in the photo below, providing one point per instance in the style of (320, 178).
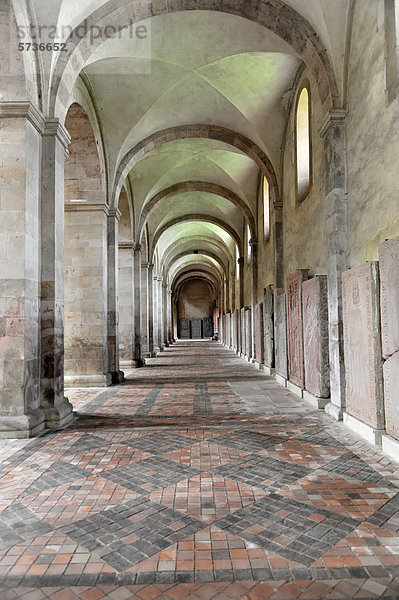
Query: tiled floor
(197, 478)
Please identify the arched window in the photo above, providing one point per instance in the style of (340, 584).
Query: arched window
(266, 208)
(303, 156)
(248, 243)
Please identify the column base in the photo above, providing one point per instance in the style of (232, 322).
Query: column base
(127, 364)
(77, 381)
(117, 377)
(268, 370)
(280, 379)
(390, 445)
(139, 363)
(59, 416)
(334, 411)
(371, 435)
(294, 389)
(315, 401)
(23, 426)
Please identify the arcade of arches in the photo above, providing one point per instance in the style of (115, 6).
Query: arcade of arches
(208, 169)
(199, 290)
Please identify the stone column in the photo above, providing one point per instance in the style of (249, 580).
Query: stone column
(240, 262)
(58, 409)
(126, 305)
(155, 302)
(86, 353)
(160, 314)
(137, 306)
(254, 259)
(165, 314)
(336, 201)
(21, 126)
(112, 296)
(144, 311)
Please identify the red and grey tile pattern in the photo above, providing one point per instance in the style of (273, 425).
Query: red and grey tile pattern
(182, 483)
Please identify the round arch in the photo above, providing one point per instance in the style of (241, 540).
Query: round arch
(197, 186)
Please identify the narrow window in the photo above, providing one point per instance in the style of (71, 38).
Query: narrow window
(303, 145)
(248, 243)
(266, 208)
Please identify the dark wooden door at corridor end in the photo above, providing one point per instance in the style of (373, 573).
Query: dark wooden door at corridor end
(196, 328)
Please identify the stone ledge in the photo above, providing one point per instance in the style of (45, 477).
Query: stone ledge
(390, 445)
(316, 402)
(294, 389)
(59, 416)
(371, 435)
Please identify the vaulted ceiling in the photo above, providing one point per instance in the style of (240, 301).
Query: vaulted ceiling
(203, 68)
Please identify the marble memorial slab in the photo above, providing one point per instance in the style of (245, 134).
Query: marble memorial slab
(259, 333)
(280, 336)
(391, 392)
(362, 344)
(248, 333)
(388, 254)
(268, 328)
(293, 289)
(315, 336)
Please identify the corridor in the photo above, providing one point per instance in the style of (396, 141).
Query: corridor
(199, 477)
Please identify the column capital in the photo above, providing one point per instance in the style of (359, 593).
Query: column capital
(137, 247)
(114, 212)
(150, 265)
(253, 242)
(333, 118)
(25, 110)
(126, 246)
(240, 261)
(83, 206)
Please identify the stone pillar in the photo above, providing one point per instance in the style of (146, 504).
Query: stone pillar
(170, 316)
(240, 262)
(336, 207)
(86, 352)
(388, 254)
(57, 409)
(243, 332)
(254, 260)
(233, 292)
(161, 341)
(21, 126)
(155, 313)
(126, 305)
(268, 318)
(112, 296)
(144, 311)
(165, 315)
(137, 306)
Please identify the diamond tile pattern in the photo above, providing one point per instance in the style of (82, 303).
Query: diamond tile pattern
(177, 484)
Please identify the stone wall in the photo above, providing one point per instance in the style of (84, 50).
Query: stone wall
(372, 142)
(195, 300)
(304, 224)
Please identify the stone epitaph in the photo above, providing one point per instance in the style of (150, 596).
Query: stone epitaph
(243, 331)
(259, 333)
(362, 345)
(238, 327)
(388, 254)
(268, 327)
(248, 333)
(294, 326)
(315, 336)
(280, 336)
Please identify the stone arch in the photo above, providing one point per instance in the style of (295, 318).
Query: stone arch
(195, 131)
(196, 217)
(276, 16)
(213, 244)
(198, 186)
(200, 252)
